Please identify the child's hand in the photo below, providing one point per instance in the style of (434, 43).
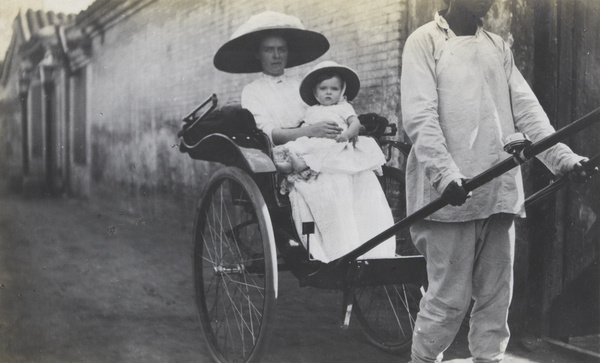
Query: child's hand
(354, 140)
(343, 137)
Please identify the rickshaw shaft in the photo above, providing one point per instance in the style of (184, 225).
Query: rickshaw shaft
(471, 184)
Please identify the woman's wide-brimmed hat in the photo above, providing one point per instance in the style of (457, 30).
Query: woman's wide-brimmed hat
(238, 55)
(329, 67)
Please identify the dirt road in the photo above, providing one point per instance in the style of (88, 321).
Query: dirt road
(78, 284)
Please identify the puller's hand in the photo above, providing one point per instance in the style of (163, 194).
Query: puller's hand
(455, 194)
(582, 172)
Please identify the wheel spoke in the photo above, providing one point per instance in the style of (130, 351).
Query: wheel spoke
(239, 287)
(239, 314)
(241, 284)
(393, 307)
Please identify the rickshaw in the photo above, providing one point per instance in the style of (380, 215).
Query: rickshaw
(244, 235)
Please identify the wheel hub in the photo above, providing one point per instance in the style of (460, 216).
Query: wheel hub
(229, 269)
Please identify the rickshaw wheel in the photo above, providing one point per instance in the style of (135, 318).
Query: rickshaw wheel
(235, 267)
(387, 314)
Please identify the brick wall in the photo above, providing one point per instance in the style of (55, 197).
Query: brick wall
(152, 68)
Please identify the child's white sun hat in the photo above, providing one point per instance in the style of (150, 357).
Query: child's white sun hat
(349, 76)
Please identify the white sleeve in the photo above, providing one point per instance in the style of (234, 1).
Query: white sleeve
(420, 116)
(346, 110)
(530, 118)
(254, 102)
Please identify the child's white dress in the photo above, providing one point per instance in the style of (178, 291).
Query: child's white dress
(343, 174)
(329, 156)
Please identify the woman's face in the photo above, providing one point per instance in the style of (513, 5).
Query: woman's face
(273, 55)
(329, 91)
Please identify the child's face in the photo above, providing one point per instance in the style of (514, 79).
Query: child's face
(329, 91)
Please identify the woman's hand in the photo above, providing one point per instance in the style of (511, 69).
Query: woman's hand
(327, 129)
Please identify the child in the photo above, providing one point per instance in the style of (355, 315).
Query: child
(327, 88)
(349, 157)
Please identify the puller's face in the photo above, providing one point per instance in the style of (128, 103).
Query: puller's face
(273, 55)
(476, 7)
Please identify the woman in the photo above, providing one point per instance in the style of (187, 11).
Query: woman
(269, 42)
(261, 45)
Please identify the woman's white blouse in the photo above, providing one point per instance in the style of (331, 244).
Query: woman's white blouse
(275, 102)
